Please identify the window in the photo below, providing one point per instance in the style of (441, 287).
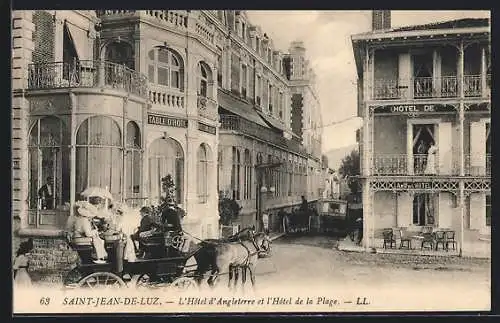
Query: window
(290, 179)
(99, 155)
(203, 171)
(120, 53)
(270, 91)
(219, 70)
(257, 45)
(244, 76)
(258, 90)
(423, 209)
(247, 193)
(165, 68)
(488, 210)
(203, 80)
(133, 163)
(235, 174)
(166, 157)
(49, 164)
(281, 104)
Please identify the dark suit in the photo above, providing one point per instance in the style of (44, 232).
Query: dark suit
(46, 193)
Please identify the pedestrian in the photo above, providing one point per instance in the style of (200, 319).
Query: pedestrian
(304, 207)
(46, 194)
(21, 277)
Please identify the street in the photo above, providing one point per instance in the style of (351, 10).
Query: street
(438, 283)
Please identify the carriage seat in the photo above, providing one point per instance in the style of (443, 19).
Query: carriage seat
(84, 247)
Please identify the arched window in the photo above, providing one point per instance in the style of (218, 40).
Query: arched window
(99, 155)
(165, 68)
(203, 173)
(165, 157)
(236, 174)
(247, 193)
(120, 53)
(204, 78)
(133, 162)
(49, 164)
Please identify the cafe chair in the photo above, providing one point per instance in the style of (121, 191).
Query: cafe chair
(428, 241)
(440, 239)
(405, 242)
(389, 239)
(450, 240)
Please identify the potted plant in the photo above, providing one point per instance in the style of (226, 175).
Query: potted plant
(229, 211)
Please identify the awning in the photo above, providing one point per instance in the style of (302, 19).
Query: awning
(79, 39)
(239, 108)
(271, 121)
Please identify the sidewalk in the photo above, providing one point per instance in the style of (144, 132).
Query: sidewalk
(472, 249)
(275, 235)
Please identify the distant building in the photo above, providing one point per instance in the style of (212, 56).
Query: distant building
(424, 96)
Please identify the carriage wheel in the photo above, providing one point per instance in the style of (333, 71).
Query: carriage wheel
(144, 282)
(102, 280)
(72, 278)
(184, 284)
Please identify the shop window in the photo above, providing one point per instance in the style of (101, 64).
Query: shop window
(133, 163)
(99, 155)
(203, 173)
(165, 68)
(166, 157)
(49, 174)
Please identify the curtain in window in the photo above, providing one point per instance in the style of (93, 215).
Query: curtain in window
(202, 174)
(133, 160)
(99, 155)
(165, 157)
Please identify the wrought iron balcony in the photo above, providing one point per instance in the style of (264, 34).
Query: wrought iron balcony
(400, 164)
(86, 74)
(429, 87)
(477, 165)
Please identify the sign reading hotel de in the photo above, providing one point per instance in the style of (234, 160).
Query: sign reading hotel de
(414, 108)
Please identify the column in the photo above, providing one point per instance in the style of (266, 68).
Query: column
(436, 80)
(460, 71)
(124, 150)
(367, 213)
(58, 38)
(461, 201)
(484, 90)
(72, 158)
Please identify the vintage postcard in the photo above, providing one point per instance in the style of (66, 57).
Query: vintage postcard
(182, 161)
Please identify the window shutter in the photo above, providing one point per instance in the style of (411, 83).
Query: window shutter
(477, 148)
(445, 148)
(405, 209)
(477, 211)
(43, 37)
(404, 70)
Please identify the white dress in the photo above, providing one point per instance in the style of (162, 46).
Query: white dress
(430, 168)
(22, 279)
(128, 224)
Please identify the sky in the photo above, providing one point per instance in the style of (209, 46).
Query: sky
(326, 36)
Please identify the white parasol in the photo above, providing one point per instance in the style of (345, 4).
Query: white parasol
(95, 191)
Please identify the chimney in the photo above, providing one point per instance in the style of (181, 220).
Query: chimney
(381, 20)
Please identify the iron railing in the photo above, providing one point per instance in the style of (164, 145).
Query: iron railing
(477, 165)
(429, 87)
(397, 164)
(239, 124)
(86, 74)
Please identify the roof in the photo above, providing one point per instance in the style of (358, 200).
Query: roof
(450, 24)
(239, 107)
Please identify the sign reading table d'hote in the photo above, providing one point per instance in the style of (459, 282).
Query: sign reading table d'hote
(206, 128)
(414, 108)
(160, 120)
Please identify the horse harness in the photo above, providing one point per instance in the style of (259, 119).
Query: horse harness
(257, 250)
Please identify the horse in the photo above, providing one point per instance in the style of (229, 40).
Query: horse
(205, 255)
(227, 257)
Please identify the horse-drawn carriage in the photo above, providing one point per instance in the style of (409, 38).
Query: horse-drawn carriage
(164, 263)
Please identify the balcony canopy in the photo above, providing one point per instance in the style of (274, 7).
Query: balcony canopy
(272, 122)
(240, 108)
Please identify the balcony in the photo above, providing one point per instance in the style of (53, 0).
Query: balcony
(239, 124)
(398, 165)
(86, 74)
(477, 165)
(166, 97)
(430, 87)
